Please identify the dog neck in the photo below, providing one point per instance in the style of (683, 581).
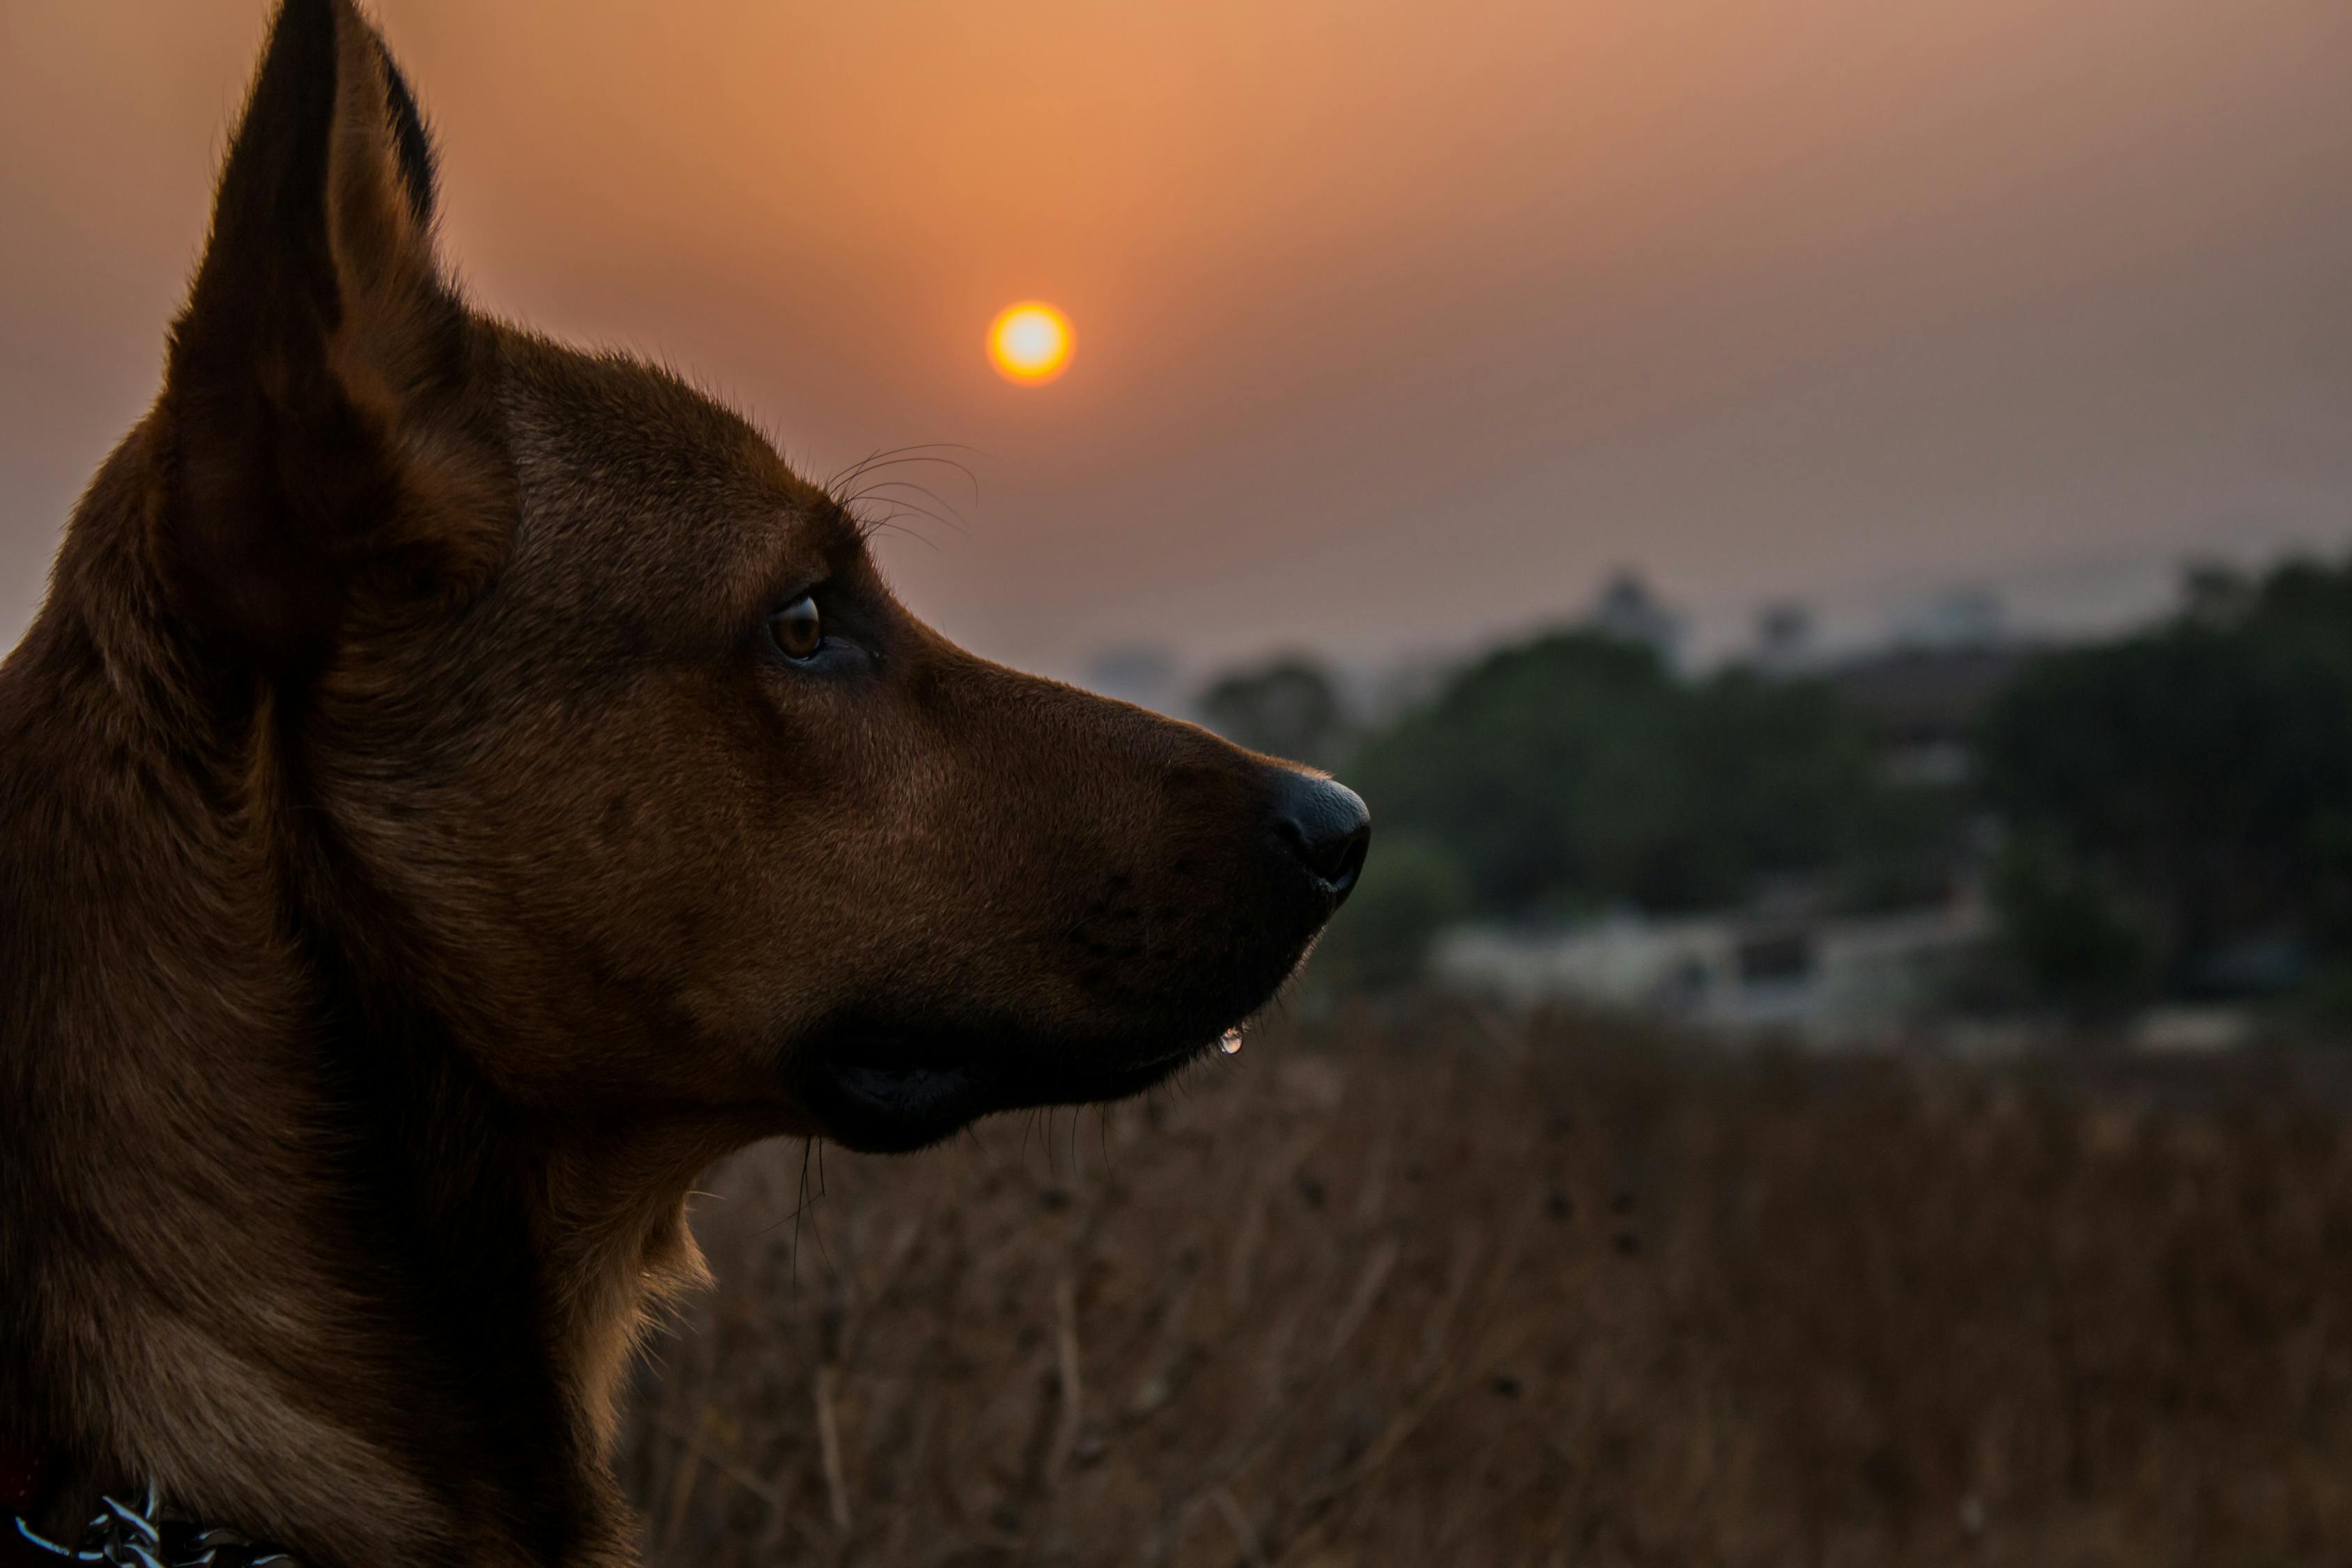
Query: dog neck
(270, 1237)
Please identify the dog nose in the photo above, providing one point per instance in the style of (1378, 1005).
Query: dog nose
(1325, 824)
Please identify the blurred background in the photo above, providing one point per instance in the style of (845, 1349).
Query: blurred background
(1823, 531)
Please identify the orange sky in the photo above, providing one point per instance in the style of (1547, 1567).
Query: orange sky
(1398, 323)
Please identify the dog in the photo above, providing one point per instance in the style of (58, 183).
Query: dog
(455, 789)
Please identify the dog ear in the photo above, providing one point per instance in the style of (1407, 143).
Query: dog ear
(335, 442)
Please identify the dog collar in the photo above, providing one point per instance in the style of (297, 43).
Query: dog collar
(145, 1536)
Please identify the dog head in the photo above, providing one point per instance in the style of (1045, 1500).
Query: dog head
(601, 734)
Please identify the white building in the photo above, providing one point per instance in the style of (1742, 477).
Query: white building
(1832, 983)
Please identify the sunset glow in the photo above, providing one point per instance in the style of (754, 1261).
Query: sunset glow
(1029, 342)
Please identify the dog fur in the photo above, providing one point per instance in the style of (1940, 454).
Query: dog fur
(420, 864)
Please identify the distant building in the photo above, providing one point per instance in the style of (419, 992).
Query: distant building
(1830, 983)
(1785, 638)
(1955, 618)
(1386, 694)
(1629, 611)
(1147, 676)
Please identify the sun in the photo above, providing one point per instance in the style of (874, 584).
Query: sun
(1029, 342)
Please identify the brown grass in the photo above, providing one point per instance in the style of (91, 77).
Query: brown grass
(1441, 1293)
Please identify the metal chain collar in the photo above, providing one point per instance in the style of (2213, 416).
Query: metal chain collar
(156, 1537)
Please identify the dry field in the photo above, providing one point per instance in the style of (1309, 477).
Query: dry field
(1445, 1292)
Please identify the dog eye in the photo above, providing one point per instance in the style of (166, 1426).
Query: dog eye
(797, 630)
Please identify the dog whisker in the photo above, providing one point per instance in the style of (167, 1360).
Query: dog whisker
(855, 504)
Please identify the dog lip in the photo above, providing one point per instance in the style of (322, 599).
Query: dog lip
(894, 1106)
(888, 1109)
(882, 1084)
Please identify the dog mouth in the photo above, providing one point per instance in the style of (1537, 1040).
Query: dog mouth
(888, 1074)
(892, 1090)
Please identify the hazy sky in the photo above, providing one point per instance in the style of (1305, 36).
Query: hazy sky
(1397, 324)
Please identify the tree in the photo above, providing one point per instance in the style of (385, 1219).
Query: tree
(2075, 940)
(1290, 709)
(2199, 774)
(1576, 771)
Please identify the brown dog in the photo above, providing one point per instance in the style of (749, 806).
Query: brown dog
(455, 789)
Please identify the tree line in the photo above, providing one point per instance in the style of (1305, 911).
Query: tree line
(2166, 813)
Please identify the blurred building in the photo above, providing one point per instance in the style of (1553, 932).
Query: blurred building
(1147, 676)
(1965, 617)
(1627, 609)
(1830, 982)
(1786, 639)
(1387, 693)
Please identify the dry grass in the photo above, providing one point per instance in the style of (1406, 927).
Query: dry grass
(1438, 1294)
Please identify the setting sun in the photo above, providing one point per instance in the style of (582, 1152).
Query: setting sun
(1029, 342)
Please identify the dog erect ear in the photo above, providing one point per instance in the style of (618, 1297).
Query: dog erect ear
(335, 439)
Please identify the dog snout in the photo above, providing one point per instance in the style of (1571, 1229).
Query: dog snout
(1326, 826)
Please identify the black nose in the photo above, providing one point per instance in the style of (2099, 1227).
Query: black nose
(1324, 822)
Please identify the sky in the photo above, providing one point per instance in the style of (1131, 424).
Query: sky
(1398, 326)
